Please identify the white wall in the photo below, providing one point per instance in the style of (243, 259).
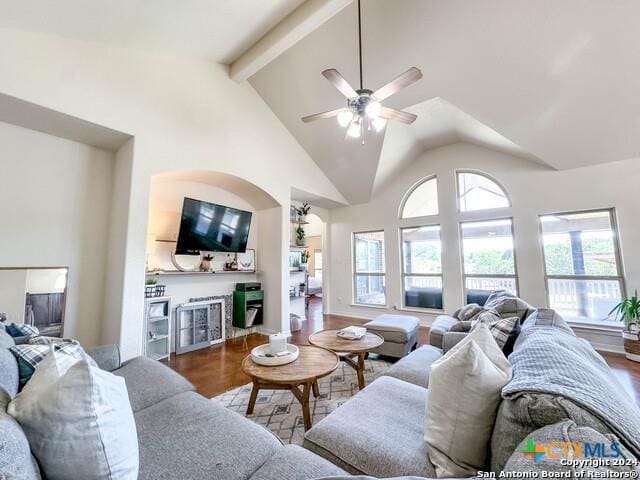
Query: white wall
(533, 190)
(13, 295)
(54, 211)
(184, 114)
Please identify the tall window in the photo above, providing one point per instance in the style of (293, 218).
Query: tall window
(476, 191)
(369, 268)
(422, 267)
(421, 200)
(488, 256)
(582, 264)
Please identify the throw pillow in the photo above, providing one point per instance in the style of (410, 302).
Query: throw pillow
(464, 395)
(504, 330)
(80, 424)
(468, 312)
(21, 330)
(31, 354)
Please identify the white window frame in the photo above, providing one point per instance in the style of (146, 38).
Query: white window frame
(410, 192)
(481, 219)
(404, 274)
(488, 177)
(617, 252)
(355, 273)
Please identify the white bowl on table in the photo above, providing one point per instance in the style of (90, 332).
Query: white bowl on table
(258, 355)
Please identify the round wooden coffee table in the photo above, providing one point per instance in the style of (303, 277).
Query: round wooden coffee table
(348, 348)
(312, 363)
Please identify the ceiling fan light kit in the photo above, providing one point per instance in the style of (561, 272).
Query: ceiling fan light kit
(364, 109)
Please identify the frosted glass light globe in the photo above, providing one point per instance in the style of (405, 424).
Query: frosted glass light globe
(354, 130)
(373, 109)
(345, 117)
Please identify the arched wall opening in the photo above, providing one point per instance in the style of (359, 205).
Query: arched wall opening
(266, 241)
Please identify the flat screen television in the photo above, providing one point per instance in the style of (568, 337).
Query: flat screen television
(212, 228)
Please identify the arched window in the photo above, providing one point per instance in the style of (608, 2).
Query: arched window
(421, 200)
(477, 191)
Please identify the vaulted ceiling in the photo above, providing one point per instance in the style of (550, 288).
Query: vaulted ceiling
(216, 30)
(549, 81)
(555, 82)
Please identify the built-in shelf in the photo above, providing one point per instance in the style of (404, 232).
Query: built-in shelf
(297, 222)
(178, 272)
(158, 337)
(158, 356)
(298, 247)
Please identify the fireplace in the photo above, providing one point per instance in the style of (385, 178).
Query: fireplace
(199, 325)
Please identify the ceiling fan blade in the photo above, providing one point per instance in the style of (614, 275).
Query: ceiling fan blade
(401, 81)
(339, 82)
(400, 116)
(330, 113)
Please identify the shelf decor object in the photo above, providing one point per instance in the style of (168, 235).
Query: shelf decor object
(157, 328)
(262, 355)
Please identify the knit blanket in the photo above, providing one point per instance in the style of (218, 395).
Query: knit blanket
(550, 358)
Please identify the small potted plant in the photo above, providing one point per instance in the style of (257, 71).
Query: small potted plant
(300, 236)
(628, 311)
(304, 261)
(205, 265)
(150, 287)
(303, 211)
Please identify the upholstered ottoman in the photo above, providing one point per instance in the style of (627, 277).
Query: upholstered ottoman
(400, 333)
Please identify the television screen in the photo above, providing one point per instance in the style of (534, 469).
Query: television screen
(212, 228)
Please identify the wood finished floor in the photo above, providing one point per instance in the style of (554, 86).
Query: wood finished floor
(217, 369)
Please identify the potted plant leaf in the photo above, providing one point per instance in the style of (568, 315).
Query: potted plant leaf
(304, 261)
(302, 212)
(628, 311)
(300, 236)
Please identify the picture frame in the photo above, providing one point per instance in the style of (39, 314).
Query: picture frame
(293, 214)
(247, 261)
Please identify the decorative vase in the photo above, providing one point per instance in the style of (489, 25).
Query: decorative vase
(302, 218)
(304, 267)
(301, 242)
(205, 266)
(631, 345)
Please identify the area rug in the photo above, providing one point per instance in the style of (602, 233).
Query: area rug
(281, 413)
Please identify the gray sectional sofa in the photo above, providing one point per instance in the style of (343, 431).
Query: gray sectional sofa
(379, 432)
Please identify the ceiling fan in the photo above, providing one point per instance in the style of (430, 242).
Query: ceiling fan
(364, 109)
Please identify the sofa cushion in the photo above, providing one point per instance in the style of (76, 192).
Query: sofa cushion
(394, 328)
(508, 305)
(520, 416)
(378, 432)
(79, 423)
(31, 354)
(504, 330)
(296, 463)
(9, 377)
(16, 461)
(415, 367)
(6, 340)
(439, 327)
(464, 395)
(190, 437)
(149, 382)
(575, 438)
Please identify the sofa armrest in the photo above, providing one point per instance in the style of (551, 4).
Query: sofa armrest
(450, 339)
(106, 356)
